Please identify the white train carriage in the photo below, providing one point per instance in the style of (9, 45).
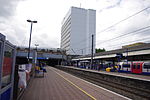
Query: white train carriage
(146, 68)
(125, 66)
(139, 67)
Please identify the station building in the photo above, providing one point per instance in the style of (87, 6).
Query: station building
(76, 32)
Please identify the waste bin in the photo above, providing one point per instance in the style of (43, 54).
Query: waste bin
(108, 69)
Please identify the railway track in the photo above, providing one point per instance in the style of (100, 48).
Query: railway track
(130, 90)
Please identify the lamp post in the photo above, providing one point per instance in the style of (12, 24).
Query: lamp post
(30, 36)
(36, 46)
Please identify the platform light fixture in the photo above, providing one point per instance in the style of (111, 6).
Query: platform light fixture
(30, 21)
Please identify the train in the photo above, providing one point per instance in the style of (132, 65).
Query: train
(138, 67)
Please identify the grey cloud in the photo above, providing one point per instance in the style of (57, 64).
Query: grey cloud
(44, 36)
(9, 26)
(7, 7)
(112, 4)
(13, 31)
(117, 3)
(145, 33)
(44, 42)
(131, 25)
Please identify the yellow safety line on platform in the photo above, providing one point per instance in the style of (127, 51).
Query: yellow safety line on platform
(76, 86)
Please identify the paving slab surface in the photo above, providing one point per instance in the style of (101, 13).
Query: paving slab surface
(59, 85)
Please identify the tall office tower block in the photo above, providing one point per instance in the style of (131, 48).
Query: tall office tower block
(76, 32)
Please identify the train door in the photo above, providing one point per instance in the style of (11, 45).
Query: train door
(137, 67)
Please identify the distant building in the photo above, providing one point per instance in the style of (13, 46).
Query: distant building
(133, 45)
(42, 50)
(76, 32)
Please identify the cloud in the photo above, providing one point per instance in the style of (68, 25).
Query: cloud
(13, 30)
(9, 25)
(108, 4)
(45, 41)
(7, 7)
(113, 15)
(49, 14)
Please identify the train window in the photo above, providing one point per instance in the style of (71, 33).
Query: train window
(134, 66)
(7, 66)
(146, 65)
(138, 66)
(126, 65)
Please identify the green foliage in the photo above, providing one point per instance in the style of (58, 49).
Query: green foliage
(100, 50)
(43, 50)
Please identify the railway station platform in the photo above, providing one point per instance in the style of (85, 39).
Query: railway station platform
(59, 85)
(134, 86)
(120, 74)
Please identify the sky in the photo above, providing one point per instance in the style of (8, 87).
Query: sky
(50, 13)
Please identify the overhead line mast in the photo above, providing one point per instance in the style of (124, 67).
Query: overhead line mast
(92, 51)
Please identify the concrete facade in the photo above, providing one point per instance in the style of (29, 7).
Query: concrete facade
(76, 32)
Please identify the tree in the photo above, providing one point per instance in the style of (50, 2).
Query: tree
(43, 50)
(100, 50)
